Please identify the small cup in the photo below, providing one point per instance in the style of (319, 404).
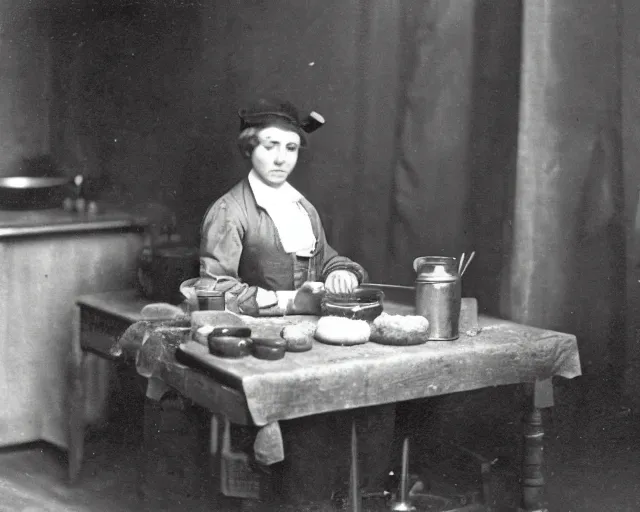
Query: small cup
(238, 332)
(268, 348)
(210, 300)
(229, 346)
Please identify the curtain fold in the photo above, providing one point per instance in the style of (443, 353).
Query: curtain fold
(424, 151)
(514, 150)
(631, 161)
(431, 169)
(566, 265)
(379, 85)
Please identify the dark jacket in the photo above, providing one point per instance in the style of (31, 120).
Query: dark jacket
(240, 241)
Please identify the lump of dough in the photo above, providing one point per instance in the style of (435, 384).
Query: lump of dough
(336, 330)
(299, 337)
(399, 329)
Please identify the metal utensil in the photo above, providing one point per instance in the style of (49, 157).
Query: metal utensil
(354, 482)
(466, 265)
(31, 182)
(388, 286)
(403, 504)
(461, 263)
(29, 192)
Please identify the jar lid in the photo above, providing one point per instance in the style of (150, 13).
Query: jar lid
(209, 293)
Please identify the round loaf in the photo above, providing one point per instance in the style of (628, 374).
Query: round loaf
(336, 330)
(399, 329)
(299, 337)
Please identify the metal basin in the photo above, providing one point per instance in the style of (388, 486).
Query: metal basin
(32, 192)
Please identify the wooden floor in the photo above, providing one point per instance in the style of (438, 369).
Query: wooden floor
(32, 478)
(592, 465)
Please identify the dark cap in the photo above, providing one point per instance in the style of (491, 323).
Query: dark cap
(266, 112)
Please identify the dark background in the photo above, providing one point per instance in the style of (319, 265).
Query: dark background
(420, 151)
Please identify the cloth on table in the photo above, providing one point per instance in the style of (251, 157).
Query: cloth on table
(329, 378)
(268, 445)
(132, 340)
(152, 343)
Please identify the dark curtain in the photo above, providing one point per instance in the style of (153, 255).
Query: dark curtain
(631, 162)
(448, 187)
(486, 125)
(509, 143)
(431, 172)
(566, 266)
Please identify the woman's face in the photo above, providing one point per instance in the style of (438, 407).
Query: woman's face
(276, 155)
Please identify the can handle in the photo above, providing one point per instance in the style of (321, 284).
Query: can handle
(417, 262)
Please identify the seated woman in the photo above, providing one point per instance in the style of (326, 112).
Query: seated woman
(262, 242)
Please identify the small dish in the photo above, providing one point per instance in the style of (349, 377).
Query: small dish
(229, 346)
(230, 330)
(268, 348)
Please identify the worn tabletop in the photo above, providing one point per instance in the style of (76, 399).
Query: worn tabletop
(330, 378)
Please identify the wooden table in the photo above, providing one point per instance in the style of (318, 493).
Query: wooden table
(503, 353)
(99, 320)
(328, 378)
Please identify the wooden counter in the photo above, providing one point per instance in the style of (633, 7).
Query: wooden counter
(21, 223)
(48, 258)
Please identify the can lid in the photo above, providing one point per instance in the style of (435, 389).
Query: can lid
(430, 278)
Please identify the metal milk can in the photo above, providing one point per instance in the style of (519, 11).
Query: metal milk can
(438, 295)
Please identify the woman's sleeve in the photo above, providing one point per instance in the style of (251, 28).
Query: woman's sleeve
(221, 241)
(220, 251)
(221, 246)
(333, 261)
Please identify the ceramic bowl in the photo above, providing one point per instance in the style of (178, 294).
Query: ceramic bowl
(361, 304)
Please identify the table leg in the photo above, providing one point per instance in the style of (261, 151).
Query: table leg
(532, 477)
(75, 405)
(355, 499)
(318, 458)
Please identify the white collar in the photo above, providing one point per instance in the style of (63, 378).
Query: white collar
(266, 195)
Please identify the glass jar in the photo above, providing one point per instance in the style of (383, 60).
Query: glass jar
(210, 300)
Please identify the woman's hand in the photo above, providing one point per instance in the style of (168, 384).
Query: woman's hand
(341, 281)
(307, 299)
